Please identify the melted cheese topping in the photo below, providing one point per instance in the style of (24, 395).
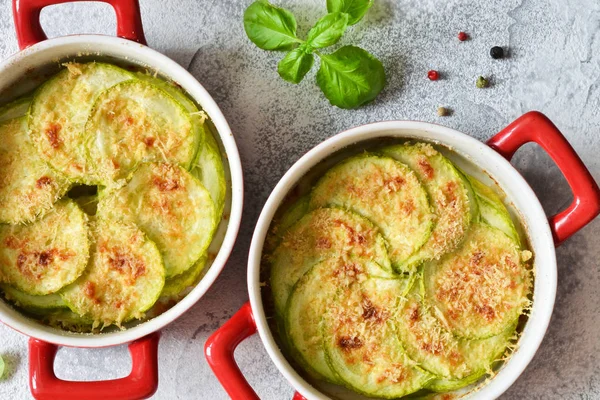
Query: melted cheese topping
(386, 192)
(124, 277)
(311, 298)
(60, 110)
(28, 187)
(449, 194)
(48, 254)
(362, 345)
(171, 207)
(481, 288)
(428, 342)
(325, 233)
(135, 122)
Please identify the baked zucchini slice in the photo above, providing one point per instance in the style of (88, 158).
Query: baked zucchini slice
(28, 187)
(444, 385)
(291, 216)
(15, 109)
(28, 301)
(135, 122)
(60, 110)
(386, 192)
(361, 345)
(284, 220)
(170, 87)
(326, 233)
(455, 361)
(69, 321)
(175, 286)
(172, 207)
(482, 288)
(208, 164)
(42, 257)
(208, 168)
(492, 209)
(451, 197)
(198, 118)
(308, 302)
(124, 277)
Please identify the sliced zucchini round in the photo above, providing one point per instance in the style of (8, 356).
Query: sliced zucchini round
(28, 187)
(27, 301)
(60, 110)
(446, 385)
(48, 254)
(307, 304)
(291, 216)
(386, 192)
(451, 196)
(492, 209)
(171, 207)
(453, 360)
(326, 233)
(281, 223)
(198, 119)
(172, 89)
(175, 286)
(208, 164)
(135, 122)
(15, 109)
(124, 278)
(68, 320)
(208, 168)
(480, 289)
(361, 345)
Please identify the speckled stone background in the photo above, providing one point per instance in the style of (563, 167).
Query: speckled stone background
(553, 66)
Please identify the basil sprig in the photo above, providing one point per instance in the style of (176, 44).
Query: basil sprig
(349, 77)
(356, 9)
(270, 27)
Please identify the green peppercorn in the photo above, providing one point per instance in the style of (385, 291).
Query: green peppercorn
(482, 82)
(442, 111)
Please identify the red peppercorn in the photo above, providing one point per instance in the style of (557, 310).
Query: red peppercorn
(462, 36)
(433, 75)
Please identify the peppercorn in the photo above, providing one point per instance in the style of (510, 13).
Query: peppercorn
(497, 52)
(482, 82)
(462, 36)
(433, 75)
(443, 111)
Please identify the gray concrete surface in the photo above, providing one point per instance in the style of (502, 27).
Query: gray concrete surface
(554, 67)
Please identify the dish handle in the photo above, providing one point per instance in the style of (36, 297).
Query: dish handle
(219, 351)
(26, 14)
(141, 383)
(536, 127)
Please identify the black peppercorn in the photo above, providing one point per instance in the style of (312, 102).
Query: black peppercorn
(496, 52)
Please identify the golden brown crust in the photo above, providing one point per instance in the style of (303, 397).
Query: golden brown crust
(124, 277)
(48, 254)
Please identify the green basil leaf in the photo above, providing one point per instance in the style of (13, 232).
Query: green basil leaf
(296, 64)
(328, 30)
(270, 27)
(350, 77)
(355, 8)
